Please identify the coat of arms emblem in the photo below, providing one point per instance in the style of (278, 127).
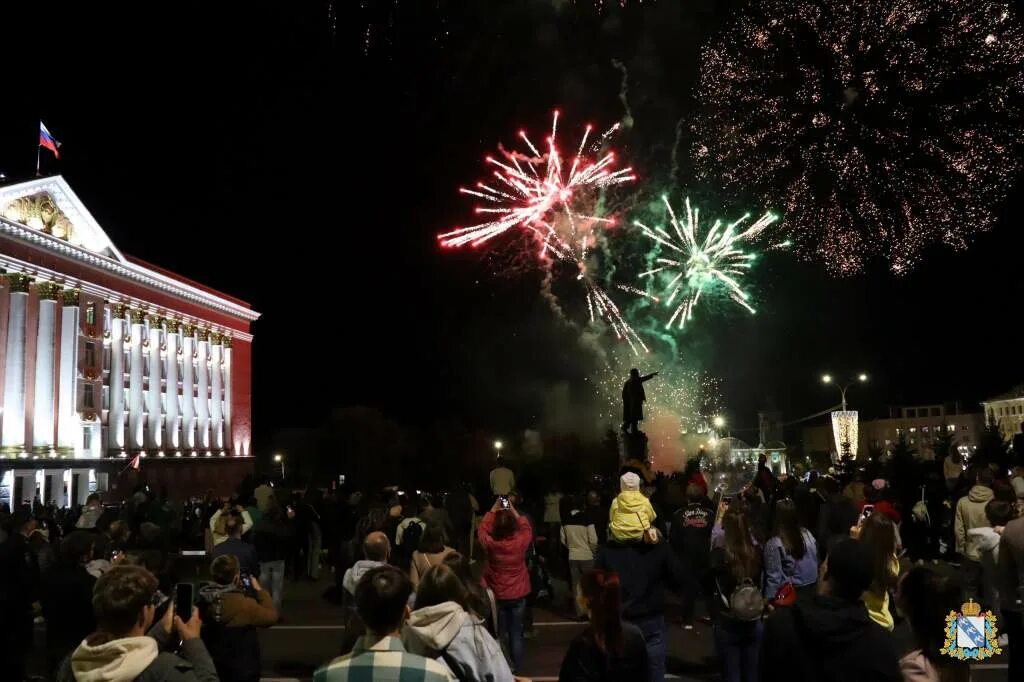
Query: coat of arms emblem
(971, 634)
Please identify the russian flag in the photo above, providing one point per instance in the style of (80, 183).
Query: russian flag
(47, 140)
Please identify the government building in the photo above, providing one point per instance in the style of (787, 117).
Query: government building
(108, 363)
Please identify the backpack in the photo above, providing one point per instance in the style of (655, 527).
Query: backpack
(411, 535)
(746, 602)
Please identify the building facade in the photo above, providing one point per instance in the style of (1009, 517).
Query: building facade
(920, 424)
(1008, 411)
(104, 358)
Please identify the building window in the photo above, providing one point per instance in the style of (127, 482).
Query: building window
(964, 428)
(87, 439)
(90, 314)
(90, 354)
(936, 412)
(87, 396)
(951, 427)
(913, 429)
(924, 429)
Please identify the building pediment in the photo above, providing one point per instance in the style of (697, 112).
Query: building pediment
(48, 205)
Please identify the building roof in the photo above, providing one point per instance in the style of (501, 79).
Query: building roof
(46, 214)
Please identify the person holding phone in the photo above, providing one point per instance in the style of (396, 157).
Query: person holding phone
(128, 644)
(231, 618)
(505, 535)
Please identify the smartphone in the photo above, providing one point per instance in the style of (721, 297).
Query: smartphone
(246, 581)
(504, 501)
(868, 510)
(183, 598)
(726, 500)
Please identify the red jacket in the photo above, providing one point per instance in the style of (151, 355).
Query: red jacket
(506, 573)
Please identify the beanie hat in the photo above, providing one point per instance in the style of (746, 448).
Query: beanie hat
(630, 481)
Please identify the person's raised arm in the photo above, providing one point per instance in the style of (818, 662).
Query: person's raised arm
(648, 377)
(774, 576)
(246, 520)
(483, 531)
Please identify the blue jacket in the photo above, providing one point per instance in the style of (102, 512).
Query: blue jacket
(781, 567)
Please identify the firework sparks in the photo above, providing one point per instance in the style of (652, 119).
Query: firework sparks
(697, 266)
(885, 126)
(554, 199)
(545, 193)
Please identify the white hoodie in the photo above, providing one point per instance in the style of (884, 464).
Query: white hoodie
(458, 639)
(983, 540)
(352, 575)
(119, 660)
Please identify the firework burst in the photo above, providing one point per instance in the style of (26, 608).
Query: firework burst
(554, 203)
(699, 266)
(556, 200)
(883, 126)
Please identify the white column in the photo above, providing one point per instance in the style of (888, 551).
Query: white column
(172, 437)
(216, 409)
(203, 384)
(13, 436)
(115, 415)
(68, 430)
(188, 388)
(227, 394)
(135, 406)
(153, 403)
(42, 414)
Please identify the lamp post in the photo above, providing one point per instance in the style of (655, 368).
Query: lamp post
(844, 422)
(498, 445)
(279, 459)
(828, 380)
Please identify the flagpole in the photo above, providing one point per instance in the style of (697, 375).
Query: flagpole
(37, 160)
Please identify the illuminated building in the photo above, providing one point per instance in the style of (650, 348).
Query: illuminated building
(919, 424)
(105, 357)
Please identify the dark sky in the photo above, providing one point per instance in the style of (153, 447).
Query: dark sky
(251, 147)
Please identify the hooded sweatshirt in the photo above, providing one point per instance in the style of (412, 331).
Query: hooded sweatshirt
(357, 571)
(230, 606)
(446, 632)
(113, 661)
(827, 639)
(100, 659)
(630, 514)
(970, 513)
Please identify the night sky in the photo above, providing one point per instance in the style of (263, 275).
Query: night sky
(254, 147)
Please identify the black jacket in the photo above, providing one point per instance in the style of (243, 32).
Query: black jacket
(272, 539)
(826, 639)
(691, 534)
(243, 551)
(643, 572)
(67, 606)
(586, 662)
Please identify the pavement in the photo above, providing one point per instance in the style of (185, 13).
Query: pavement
(311, 631)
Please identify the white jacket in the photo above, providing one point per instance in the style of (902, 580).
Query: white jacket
(457, 639)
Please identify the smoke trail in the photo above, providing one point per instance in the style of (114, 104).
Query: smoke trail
(627, 118)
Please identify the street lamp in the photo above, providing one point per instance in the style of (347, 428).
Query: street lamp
(719, 421)
(828, 380)
(845, 422)
(498, 445)
(279, 459)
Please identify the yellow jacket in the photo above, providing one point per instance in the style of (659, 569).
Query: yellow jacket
(630, 514)
(878, 604)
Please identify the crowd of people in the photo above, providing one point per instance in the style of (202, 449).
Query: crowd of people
(801, 577)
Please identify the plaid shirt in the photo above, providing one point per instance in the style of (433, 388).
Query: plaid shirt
(384, 661)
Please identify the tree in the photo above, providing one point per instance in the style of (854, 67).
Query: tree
(900, 467)
(942, 443)
(992, 447)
